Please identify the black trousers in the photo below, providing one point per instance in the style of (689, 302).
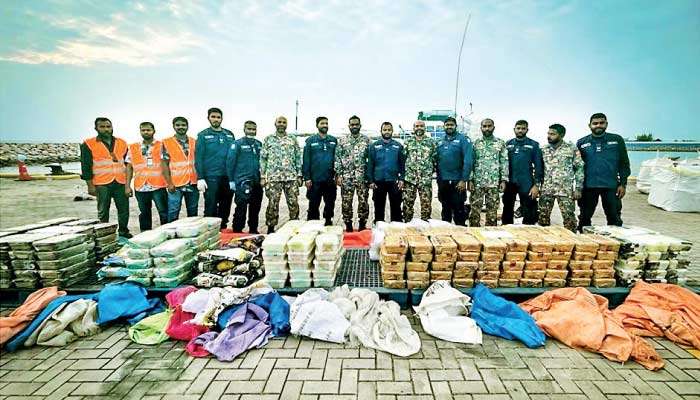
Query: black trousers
(105, 194)
(379, 196)
(452, 201)
(217, 199)
(327, 191)
(528, 206)
(250, 204)
(145, 201)
(612, 206)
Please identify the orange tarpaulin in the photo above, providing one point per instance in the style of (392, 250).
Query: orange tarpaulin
(582, 320)
(351, 240)
(24, 314)
(660, 309)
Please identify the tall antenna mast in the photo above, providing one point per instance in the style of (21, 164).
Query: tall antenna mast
(459, 59)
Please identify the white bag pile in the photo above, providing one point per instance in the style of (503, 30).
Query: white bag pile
(443, 312)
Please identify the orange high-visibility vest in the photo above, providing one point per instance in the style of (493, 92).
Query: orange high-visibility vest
(182, 169)
(147, 171)
(107, 167)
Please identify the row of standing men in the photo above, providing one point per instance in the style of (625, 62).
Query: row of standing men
(226, 170)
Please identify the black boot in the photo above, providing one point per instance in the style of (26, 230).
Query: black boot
(362, 226)
(270, 229)
(348, 227)
(329, 222)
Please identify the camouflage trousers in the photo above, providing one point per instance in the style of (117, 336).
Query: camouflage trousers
(566, 206)
(273, 192)
(425, 192)
(347, 191)
(477, 201)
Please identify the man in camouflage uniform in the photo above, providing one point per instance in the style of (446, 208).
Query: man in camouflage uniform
(350, 167)
(490, 175)
(563, 178)
(280, 171)
(420, 166)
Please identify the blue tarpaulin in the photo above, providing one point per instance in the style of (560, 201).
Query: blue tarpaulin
(499, 317)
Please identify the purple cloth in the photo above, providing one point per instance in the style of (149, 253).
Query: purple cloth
(247, 328)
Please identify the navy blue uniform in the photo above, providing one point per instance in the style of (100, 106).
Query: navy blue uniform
(210, 163)
(525, 170)
(318, 167)
(243, 170)
(386, 161)
(606, 166)
(455, 160)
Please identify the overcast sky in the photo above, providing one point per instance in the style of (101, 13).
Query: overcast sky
(62, 63)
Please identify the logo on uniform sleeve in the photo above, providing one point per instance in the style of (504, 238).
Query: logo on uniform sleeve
(209, 136)
(314, 144)
(395, 146)
(612, 143)
(377, 146)
(585, 145)
(528, 146)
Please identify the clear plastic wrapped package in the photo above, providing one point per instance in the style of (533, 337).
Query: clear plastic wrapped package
(173, 271)
(301, 243)
(148, 239)
(328, 243)
(171, 281)
(62, 263)
(276, 242)
(59, 242)
(138, 264)
(166, 262)
(171, 248)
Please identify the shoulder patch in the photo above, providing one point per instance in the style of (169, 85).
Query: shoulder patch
(314, 144)
(613, 142)
(586, 145)
(529, 146)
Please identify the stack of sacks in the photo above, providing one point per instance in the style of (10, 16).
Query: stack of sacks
(468, 254)
(603, 270)
(23, 258)
(538, 255)
(87, 230)
(137, 255)
(300, 256)
(274, 254)
(420, 254)
(173, 261)
(581, 264)
(236, 267)
(63, 260)
(562, 250)
(105, 239)
(680, 271)
(104, 235)
(493, 251)
(329, 252)
(203, 233)
(6, 274)
(392, 261)
(514, 263)
(445, 257)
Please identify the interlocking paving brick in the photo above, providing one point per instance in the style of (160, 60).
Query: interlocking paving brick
(320, 387)
(359, 363)
(543, 387)
(421, 383)
(373, 375)
(169, 387)
(685, 387)
(252, 357)
(366, 391)
(263, 369)
(614, 387)
(394, 388)
(292, 363)
(686, 363)
(318, 358)
(233, 374)
(343, 353)
(91, 375)
(21, 389)
(275, 383)
(401, 370)
(493, 383)
(246, 386)
(50, 386)
(516, 390)
(591, 390)
(201, 383)
(445, 375)
(20, 376)
(332, 370)
(514, 374)
(348, 381)
(291, 390)
(305, 375)
(666, 392)
(93, 388)
(458, 387)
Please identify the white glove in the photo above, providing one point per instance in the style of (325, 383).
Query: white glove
(232, 186)
(201, 185)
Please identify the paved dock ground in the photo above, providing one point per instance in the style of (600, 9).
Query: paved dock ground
(110, 366)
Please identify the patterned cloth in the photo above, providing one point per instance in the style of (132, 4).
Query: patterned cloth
(420, 160)
(490, 162)
(280, 158)
(563, 170)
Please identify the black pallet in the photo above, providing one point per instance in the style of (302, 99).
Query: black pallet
(357, 270)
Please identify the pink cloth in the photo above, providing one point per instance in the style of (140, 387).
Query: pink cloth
(179, 327)
(195, 347)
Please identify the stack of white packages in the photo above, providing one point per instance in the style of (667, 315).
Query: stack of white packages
(173, 261)
(274, 253)
(23, 258)
(5, 263)
(300, 256)
(329, 252)
(650, 256)
(137, 255)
